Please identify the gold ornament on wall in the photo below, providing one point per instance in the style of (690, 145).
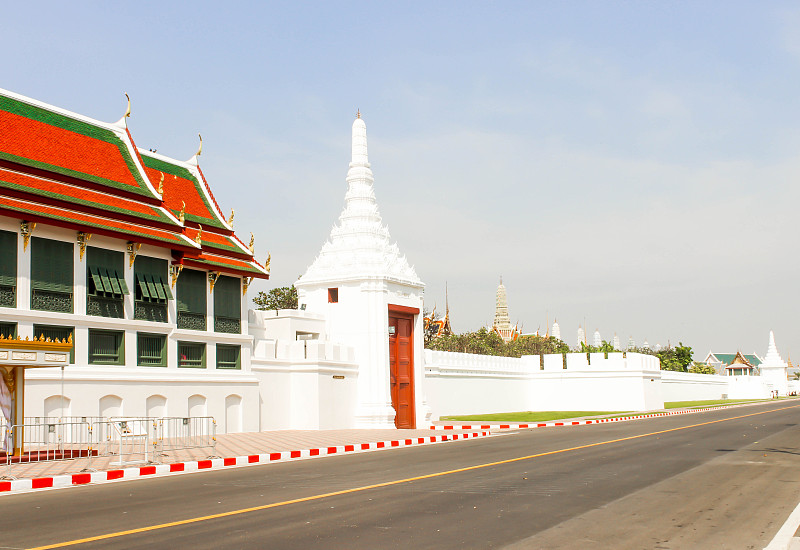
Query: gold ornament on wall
(133, 249)
(26, 229)
(83, 239)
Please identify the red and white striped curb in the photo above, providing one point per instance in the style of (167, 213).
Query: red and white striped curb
(69, 480)
(514, 426)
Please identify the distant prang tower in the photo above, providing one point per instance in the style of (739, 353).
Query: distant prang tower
(502, 323)
(371, 299)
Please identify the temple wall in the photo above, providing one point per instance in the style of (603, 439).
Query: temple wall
(93, 391)
(687, 386)
(460, 383)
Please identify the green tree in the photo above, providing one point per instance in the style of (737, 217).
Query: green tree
(676, 359)
(487, 342)
(284, 297)
(701, 368)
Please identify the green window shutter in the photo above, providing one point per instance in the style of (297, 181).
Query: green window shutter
(154, 284)
(8, 258)
(192, 290)
(122, 284)
(151, 350)
(51, 265)
(106, 347)
(165, 288)
(228, 357)
(227, 297)
(150, 274)
(143, 286)
(106, 268)
(98, 282)
(106, 281)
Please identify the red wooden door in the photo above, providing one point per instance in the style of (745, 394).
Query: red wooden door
(401, 368)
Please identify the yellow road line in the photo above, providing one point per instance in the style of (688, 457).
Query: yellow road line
(384, 484)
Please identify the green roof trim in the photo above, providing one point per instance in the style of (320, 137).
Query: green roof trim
(131, 230)
(185, 173)
(160, 215)
(83, 128)
(727, 358)
(248, 269)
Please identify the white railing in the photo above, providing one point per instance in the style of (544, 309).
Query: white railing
(132, 439)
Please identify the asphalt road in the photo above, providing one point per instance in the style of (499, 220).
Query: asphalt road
(724, 479)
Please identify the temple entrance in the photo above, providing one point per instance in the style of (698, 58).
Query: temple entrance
(401, 366)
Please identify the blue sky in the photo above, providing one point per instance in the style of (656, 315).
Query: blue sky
(631, 164)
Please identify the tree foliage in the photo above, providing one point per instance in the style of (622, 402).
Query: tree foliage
(487, 342)
(701, 368)
(284, 297)
(606, 347)
(677, 358)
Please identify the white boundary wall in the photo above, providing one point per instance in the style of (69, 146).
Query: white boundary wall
(461, 383)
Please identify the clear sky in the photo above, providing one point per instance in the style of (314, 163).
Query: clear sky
(633, 164)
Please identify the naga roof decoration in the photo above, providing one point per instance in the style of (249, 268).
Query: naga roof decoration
(71, 171)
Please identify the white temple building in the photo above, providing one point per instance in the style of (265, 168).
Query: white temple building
(371, 299)
(774, 369)
(616, 342)
(597, 339)
(581, 336)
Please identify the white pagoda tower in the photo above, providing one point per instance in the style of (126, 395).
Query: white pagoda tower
(774, 369)
(360, 282)
(581, 336)
(555, 332)
(502, 323)
(597, 339)
(616, 342)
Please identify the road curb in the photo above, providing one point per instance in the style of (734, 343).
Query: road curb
(126, 474)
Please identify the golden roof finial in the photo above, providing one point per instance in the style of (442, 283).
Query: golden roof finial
(230, 220)
(200, 149)
(128, 112)
(161, 184)
(199, 236)
(251, 246)
(182, 215)
(266, 264)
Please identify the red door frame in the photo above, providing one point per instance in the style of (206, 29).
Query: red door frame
(405, 313)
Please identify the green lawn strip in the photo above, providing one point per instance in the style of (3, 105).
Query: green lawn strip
(545, 416)
(708, 403)
(525, 417)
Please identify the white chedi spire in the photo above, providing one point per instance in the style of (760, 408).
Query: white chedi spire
(598, 341)
(581, 336)
(773, 358)
(631, 343)
(616, 342)
(359, 244)
(501, 319)
(555, 332)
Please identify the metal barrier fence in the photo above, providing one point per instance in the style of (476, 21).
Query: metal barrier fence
(51, 441)
(132, 439)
